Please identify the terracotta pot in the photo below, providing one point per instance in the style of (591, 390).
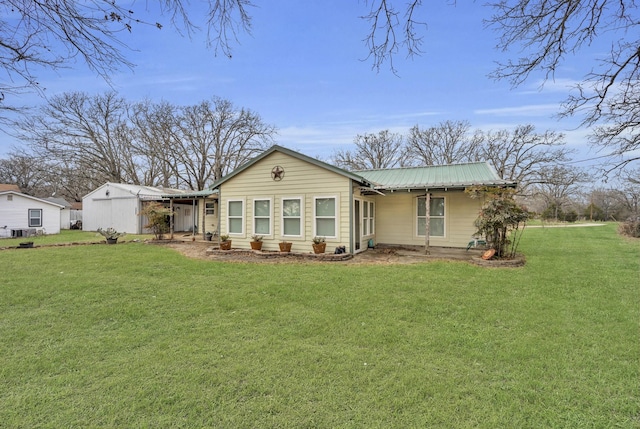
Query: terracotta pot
(225, 245)
(319, 248)
(285, 247)
(256, 245)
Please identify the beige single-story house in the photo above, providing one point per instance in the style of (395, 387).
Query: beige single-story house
(284, 195)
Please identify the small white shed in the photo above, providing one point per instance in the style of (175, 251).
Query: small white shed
(118, 206)
(22, 215)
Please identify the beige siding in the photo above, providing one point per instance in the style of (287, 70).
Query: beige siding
(396, 219)
(301, 179)
(210, 222)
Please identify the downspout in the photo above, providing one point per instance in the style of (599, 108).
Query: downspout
(352, 243)
(427, 229)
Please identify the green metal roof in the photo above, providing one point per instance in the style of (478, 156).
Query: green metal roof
(440, 176)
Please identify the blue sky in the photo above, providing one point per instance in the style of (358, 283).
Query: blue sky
(304, 70)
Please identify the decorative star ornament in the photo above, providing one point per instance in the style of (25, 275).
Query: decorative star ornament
(277, 173)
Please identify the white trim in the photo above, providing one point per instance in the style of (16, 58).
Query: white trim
(20, 194)
(370, 221)
(336, 216)
(253, 217)
(243, 217)
(29, 217)
(282, 217)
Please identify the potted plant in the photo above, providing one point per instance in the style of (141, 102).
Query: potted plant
(26, 245)
(319, 245)
(225, 243)
(256, 242)
(208, 235)
(111, 235)
(285, 246)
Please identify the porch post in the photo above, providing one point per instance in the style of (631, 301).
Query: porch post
(204, 215)
(194, 218)
(171, 217)
(427, 229)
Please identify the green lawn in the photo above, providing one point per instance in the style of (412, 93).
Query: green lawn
(138, 336)
(68, 236)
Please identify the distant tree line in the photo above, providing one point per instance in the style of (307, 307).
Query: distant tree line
(77, 142)
(522, 155)
(538, 162)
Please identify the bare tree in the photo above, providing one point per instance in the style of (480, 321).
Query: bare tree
(521, 155)
(545, 33)
(90, 133)
(48, 34)
(215, 139)
(629, 192)
(558, 184)
(26, 171)
(157, 134)
(392, 28)
(372, 151)
(449, 142)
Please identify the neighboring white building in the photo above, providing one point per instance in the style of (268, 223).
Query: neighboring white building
(118, 206)
(68, 215)
(23, 215)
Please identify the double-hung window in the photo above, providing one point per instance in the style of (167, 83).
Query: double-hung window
(325, 213)
(235, 216)
(368, 218)
(292, 217)
(35, 218)
(262, 216)
(436, 216)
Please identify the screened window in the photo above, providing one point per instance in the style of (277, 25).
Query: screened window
(35, 217)
(262, 217)
(436, 223)
(325, 217)
(292, 216)
(368, 218)
(210, 209)
(235, 217)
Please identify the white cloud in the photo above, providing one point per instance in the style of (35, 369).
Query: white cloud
(526, 110)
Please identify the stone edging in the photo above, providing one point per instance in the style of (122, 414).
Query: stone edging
(274, 254)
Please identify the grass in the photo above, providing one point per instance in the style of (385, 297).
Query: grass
(138, 336)
(67, 236)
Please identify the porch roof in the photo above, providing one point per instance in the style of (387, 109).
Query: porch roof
(435, 177)
(191, 194)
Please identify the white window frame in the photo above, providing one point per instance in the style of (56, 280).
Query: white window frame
(39, 223)
(301, 217)
(443, 217)
(242, 217)
(335, 216)
(209, 208)
(270, 217)
(368, 222)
